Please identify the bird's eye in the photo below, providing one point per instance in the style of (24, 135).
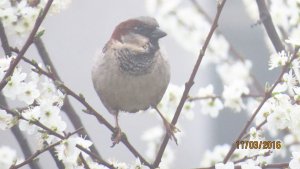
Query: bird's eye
(137, 28)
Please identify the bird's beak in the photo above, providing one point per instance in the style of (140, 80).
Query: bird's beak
(157, 34)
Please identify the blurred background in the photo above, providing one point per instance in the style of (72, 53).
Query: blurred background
(77, 33)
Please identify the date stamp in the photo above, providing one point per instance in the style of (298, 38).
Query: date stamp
(258, 145)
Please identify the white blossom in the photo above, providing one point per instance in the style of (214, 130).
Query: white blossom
(58, 125)
(50, 117)
(294, 123)
(137, 164)
(119, 165)
(59, 5)
(255, 134)
(19, 17)
(219, 49)
(251, 9)
(295, 162)
(14, 85)
(294, 41)
(32, 114)
(4, 65)
(290, 81)
(95, 165)
(237, 71)
(278, 119)
(228, 165)
(67, 151)
(6, 120)
(278, 59)
(29, 92)
(297, 93)
(296, 68)
(233, 95)
(50, 94)
(250, 164)
(215, 156)
(285, 14)
(8, 157)
(211, 106)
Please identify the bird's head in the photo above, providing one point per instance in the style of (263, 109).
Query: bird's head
(138, 30)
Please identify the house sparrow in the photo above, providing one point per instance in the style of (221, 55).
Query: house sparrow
(131, 74)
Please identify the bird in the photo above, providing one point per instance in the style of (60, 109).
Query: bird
(131, 74)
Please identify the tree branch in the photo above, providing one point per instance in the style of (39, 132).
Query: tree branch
(266, 19)
(190, 82)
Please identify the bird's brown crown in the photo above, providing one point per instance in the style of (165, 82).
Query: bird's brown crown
(141, 25)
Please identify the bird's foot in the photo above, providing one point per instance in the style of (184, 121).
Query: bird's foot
(171, 130)
(116, 136)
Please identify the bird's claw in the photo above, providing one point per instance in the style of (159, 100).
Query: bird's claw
(171, 130)
(116, 136)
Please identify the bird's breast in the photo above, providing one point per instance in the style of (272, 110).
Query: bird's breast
(122, 90)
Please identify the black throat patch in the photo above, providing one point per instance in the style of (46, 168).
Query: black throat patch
(136, 64)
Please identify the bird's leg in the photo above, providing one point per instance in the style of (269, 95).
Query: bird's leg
(170, 128)
(117, 135)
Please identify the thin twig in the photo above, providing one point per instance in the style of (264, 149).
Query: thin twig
(27, 44)
(189, 83)
(267, 96)
(253, 157)
(277, 165)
